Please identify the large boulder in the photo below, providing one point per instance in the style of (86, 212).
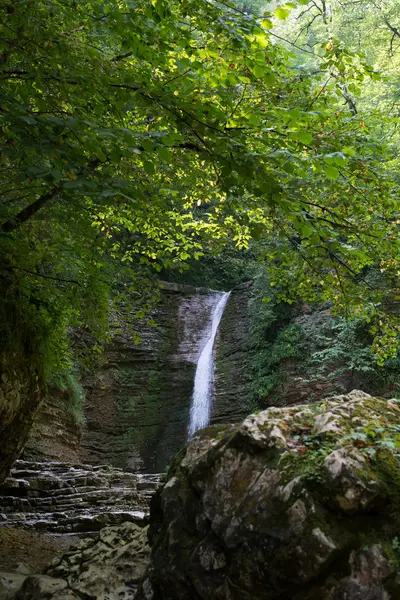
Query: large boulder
(296, 503)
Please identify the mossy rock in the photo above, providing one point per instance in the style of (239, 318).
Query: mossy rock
(297, 503)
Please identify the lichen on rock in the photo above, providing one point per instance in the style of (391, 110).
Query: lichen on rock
(295, 503)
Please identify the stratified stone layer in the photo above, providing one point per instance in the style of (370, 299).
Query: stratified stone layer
(233, 359)
(138, 403)
(73, 498)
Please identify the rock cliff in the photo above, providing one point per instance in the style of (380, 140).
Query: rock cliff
(20, 396)
(138, 398)
(232, 359)
(138, 401)
(297, 503)
(55, 434)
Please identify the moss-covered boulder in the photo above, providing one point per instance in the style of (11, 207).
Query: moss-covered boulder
(296, 503)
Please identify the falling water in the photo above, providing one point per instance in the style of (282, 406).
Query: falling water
(203, 382)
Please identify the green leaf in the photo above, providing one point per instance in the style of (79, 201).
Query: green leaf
(267, 24)
(305, 137)
(101, 155)
(306, 231)
(149, 167)
(258, 70)
(331, 172)
(70, 185)
(281, 13)
(148, 145)
(163, 153)
(349, 151)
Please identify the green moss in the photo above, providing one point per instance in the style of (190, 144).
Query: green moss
(308, 465)
(387, 469)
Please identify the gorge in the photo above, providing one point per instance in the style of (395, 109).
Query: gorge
(53, 491)
(199, 300)
(142, 402)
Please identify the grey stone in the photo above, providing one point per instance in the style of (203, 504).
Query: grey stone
(40, 587)
(10, 583)
(255, 512)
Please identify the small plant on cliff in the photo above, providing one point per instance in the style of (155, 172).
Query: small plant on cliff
(67, 382)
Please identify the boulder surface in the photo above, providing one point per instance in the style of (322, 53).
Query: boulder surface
(295, 503)
(109, 567)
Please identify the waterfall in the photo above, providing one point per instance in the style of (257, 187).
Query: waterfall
(200, 408)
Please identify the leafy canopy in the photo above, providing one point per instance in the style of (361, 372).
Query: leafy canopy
(136, 134)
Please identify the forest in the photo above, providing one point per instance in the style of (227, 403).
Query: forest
(155, 154)
(138, 138)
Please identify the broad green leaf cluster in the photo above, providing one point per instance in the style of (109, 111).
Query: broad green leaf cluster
(136, 135)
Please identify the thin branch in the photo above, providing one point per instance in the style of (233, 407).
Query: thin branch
(36, 274)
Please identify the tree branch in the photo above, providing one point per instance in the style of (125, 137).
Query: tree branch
(28, 212)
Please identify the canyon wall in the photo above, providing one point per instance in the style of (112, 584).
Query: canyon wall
(138, 398)
(233, 359)
(55, 434)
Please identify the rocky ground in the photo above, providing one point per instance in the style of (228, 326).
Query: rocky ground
(72, 498)
(57, 513)
(31, 551)
(108, 567)
(295, 503)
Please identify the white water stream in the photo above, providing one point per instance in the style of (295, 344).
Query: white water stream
(200, 409)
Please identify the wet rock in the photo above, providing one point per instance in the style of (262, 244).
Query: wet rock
(233, 358)
(370, 571)
(138, 401)
(73, 498)
(285, 505)
(21, 392)
(356, 493)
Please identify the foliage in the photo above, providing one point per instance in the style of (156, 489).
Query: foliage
(66, 381)
(135, 136)
(220, 272)
(273, 340)
(308, 342)
(252, 6)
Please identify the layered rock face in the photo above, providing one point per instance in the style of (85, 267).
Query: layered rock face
(55, 434)
(72, 498)
(20, 396)
(296, 503)
(138, 398)
(232, 359)
(54, 504)
(138, 403)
